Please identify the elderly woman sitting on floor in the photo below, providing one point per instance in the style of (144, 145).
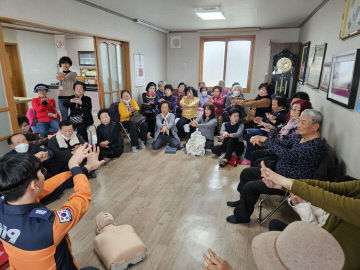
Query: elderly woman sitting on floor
(298, 158)
(165, 132)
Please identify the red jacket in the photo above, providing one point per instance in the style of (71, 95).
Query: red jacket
(218, 103)
(43, 110)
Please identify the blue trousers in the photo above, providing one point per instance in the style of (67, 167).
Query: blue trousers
(44, 127)
(63, 110)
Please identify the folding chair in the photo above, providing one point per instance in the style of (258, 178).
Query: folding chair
(328, 169)
(125, 131)
(259, 219)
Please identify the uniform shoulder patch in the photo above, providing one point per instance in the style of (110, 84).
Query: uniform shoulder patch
(64, 215)
(40, 212)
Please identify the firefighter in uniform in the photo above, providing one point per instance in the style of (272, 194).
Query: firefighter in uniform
(34, 236)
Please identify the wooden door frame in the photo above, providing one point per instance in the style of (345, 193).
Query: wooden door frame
(7, 86)
(21, 74)
(125, 63)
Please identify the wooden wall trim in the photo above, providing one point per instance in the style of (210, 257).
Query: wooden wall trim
(6, 109)
(54, 28)
(4, 138)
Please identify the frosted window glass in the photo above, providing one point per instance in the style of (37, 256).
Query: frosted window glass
(107, 100)
(105, 66)
(113, 67)
(237, 63)
(3, 101)
(5, 129)
(115, 96)
(120, 66)
(213, 63)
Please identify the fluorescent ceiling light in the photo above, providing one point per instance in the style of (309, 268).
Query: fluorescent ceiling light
(151, 25)
(208, 14)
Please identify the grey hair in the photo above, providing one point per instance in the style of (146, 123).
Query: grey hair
(315, 116)
(237, 86)
(222, 81)
(161, 83)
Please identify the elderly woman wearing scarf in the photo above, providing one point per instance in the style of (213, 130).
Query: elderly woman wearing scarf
(165, 129)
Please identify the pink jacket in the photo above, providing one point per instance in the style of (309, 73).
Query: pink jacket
(218, 103)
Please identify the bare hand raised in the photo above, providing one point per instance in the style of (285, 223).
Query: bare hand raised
(214, 262)
(93, 159)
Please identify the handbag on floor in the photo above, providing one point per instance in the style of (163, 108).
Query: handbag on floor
(137, 119)
(196, 144)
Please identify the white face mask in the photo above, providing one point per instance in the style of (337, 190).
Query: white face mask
(22, 148)
(204, 94)
(236, 93)
(127, 102)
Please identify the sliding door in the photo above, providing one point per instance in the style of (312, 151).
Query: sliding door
(113, 70)
(8, 121)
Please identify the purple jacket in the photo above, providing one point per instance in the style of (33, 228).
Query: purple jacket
(172, 101)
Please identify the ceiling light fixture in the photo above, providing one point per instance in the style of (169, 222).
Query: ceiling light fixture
(208, 14)
(151, 25)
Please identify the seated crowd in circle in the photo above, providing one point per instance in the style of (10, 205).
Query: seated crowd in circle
(287, 143)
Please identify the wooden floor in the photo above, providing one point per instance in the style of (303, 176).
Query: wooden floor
(177, 205)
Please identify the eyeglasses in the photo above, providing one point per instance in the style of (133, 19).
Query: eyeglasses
(43, 171)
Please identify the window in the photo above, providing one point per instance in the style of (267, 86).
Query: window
(227, 58)
(86, 58)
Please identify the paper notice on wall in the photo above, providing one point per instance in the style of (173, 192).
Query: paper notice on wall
(139, 69)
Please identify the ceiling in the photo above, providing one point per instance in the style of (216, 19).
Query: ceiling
(179, 15)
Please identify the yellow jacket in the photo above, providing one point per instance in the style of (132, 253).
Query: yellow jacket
(192, 110)
(123, 110)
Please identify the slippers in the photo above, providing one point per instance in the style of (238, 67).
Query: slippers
(223, 163)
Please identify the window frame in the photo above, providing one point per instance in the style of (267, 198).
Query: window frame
(226, 39)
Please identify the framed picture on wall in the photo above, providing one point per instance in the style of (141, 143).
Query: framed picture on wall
(305, 48)
(316, 65)
(86, 58)
(345, 73)
(325, 77)
(310, 58)
(351, 19)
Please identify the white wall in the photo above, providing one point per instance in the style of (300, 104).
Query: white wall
(183, 64)
(73, 15)
(341, 126)
(37, 56)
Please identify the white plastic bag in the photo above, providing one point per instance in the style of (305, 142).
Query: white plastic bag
(196, 144)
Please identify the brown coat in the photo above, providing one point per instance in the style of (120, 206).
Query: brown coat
(253, 104)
